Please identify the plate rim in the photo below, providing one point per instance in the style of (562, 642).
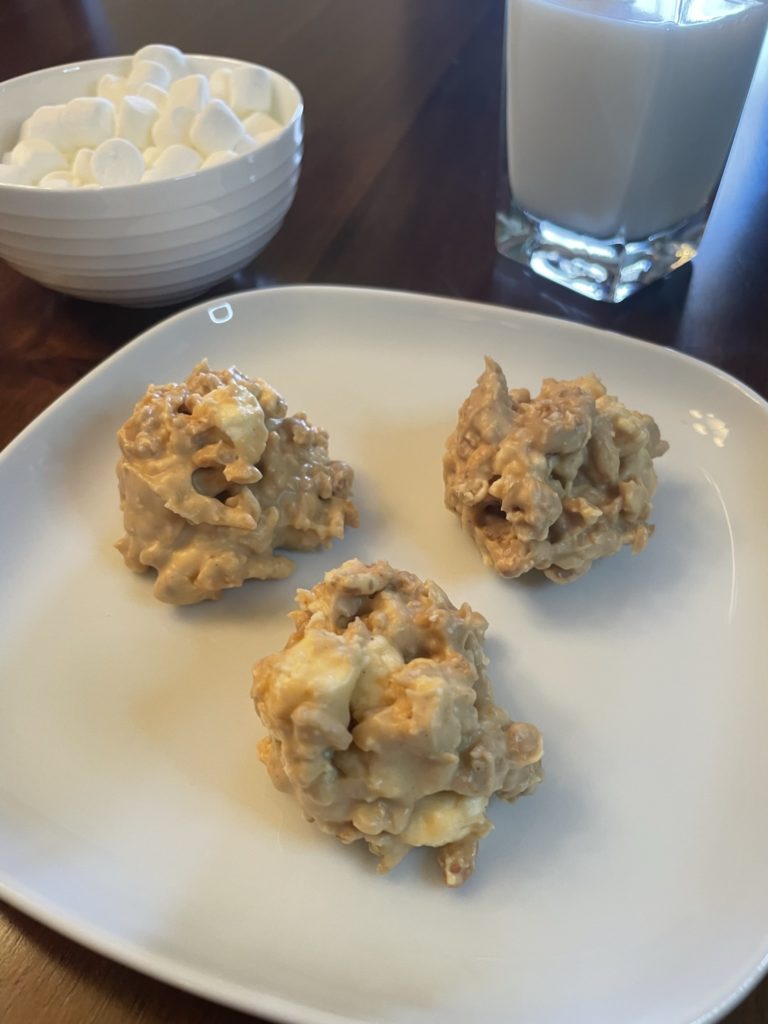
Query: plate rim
(418, 298)
(159, 966)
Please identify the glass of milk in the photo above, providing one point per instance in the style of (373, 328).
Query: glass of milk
(619, 117)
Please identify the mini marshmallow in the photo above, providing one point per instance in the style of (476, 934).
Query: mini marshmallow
(250, 89)
(86, 121)
(259, 123)
(151, 153)
(169, 56)
(81, 167)
(172, 127)
(219, 83)
(113, 88)
(246, 145)
(12, 174)
(135, 117)
(216, 127)
(161, 121)
(222, 157)
(148, 71)
(36, 158)
(117, 162)
(177, 160)
(264, 137)
(57, 180)
(154, 94)
(44, 123)
(191, 91)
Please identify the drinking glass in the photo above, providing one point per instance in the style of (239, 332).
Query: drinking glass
(618, 118)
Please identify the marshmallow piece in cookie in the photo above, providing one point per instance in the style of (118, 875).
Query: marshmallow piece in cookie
(135, 117)
(215, 128)
(36, 158)
(172, 127)
(250, 89)
(177, 160)
(117, 162)
(86, 121)
(169, 56)
(191, 91)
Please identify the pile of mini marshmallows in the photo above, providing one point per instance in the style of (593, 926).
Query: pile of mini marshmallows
(158, 122)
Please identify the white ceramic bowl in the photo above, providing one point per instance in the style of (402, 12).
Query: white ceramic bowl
(156, 242)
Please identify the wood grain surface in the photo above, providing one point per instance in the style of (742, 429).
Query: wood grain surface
(397, 191)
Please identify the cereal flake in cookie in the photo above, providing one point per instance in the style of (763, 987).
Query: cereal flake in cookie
(214, 476)
(553, 482)
(381, 721)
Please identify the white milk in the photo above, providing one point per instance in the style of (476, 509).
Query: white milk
(620, 128)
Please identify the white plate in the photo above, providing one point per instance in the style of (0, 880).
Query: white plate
(136, 817)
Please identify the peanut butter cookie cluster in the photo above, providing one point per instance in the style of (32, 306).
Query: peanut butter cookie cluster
(553, 482)
(381, 721)
(215, 476)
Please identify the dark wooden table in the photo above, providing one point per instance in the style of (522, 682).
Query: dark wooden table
(397, 191)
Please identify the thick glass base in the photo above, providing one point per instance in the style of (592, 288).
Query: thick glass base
(609, 270)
